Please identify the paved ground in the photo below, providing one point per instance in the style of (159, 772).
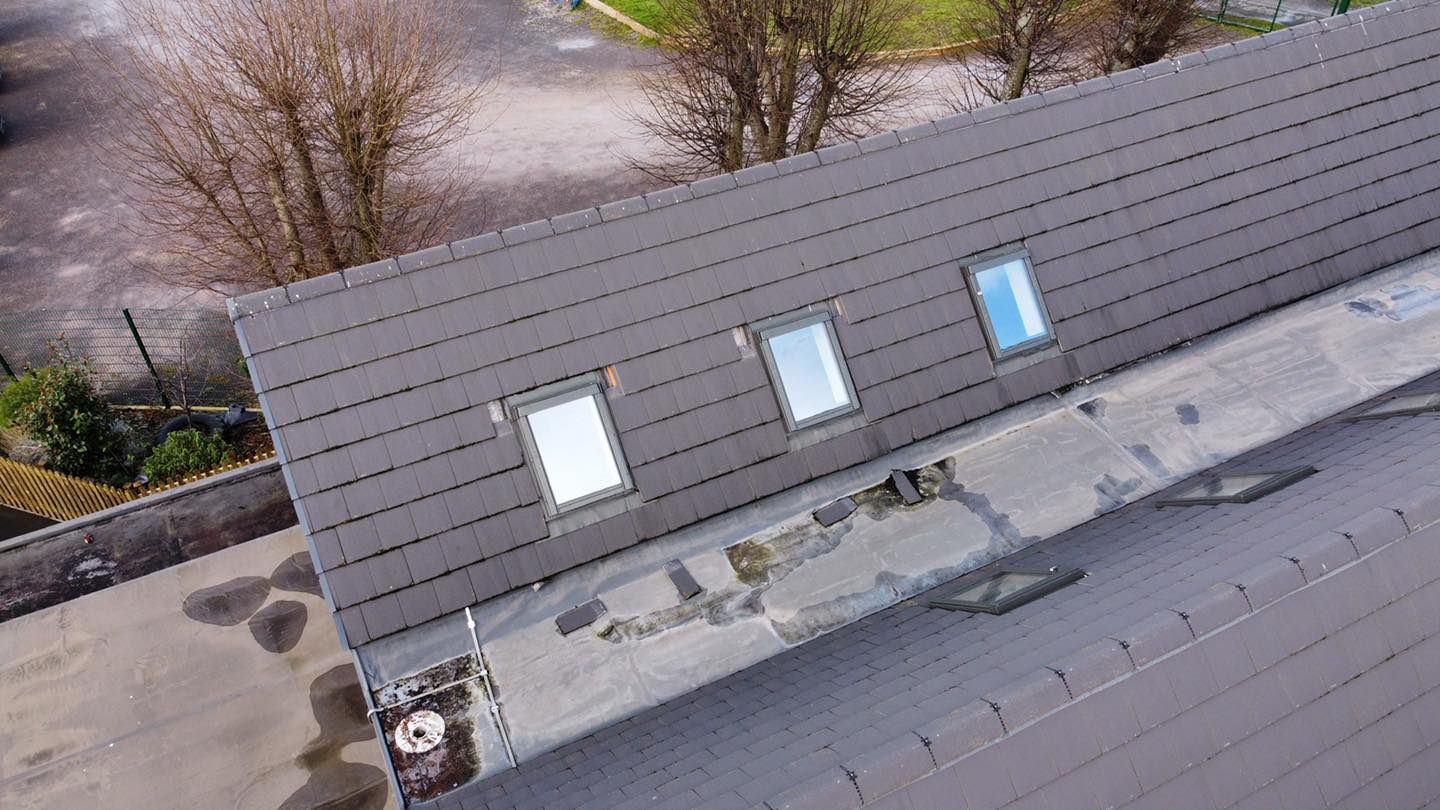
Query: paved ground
(549, 139)
(219, 683)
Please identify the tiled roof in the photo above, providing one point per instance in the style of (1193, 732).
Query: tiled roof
(1157, 205)
(745, 740)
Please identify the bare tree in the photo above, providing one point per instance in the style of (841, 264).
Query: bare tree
(749, 81)
(275, 140)
(1129, 33)
(1017, 47)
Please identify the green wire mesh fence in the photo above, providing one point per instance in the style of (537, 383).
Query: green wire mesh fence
(1266, 15)
(142, 356)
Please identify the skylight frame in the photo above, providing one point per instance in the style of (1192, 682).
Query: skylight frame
(781, 325)
(1365, 415)
(989, 261)
(550, 396)
(1277, 481)
(1054, 579)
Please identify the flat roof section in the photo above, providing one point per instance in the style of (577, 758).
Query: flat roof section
(750, 737)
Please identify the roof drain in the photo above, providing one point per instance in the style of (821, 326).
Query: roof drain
(490, 689)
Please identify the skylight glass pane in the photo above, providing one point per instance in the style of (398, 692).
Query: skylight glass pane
(998, 587)
(574, 449)
(809, 371)
(1226, 486)
(1004, 590)
(1409, 403)
(1012, 304)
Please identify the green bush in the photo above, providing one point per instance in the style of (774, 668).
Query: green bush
(186, 452)
(17, 395)
(65, 414)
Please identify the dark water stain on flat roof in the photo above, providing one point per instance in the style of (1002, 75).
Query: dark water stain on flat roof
(341, 785)
(297, 574)
(228, 603)
(278, 627)
(339, 707)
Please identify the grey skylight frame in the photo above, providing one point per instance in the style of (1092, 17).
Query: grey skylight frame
(784, 324)
(545, 397)
(985, 261)
(1276, 482)
(1054, 580)
(1365, 415)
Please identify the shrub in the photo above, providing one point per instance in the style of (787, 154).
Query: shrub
(186, 452)
(65, 414)
(19, 394)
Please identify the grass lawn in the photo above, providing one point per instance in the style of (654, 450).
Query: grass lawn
(930, 25)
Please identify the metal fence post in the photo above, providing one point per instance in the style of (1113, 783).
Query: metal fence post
(6, 367)
(140, 344)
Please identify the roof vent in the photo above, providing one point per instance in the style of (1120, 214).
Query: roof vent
(1234, 487)
(579, 616)
(906, 487)
(681, 578)
(833, 513)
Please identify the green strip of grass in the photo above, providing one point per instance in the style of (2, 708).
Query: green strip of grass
(930, 25)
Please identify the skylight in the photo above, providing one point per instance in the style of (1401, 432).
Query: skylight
(571, 443)
(805, 363)
(1235, 487)
(1009, 303)
(1006, 589)
(1404, 405)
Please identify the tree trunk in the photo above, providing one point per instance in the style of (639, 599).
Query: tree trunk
(286, 217)
(317, 212)
(1019, 69)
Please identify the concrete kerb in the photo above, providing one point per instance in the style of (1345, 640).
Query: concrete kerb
(979, 724)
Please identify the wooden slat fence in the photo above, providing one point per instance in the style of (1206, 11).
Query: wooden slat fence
(64, 497)
(53, 495)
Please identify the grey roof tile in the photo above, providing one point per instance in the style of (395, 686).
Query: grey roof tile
(389, 571)
(426, 559)
(383, 615)
(488, 578)
(453, 591)
(350, 584)
(419, 604)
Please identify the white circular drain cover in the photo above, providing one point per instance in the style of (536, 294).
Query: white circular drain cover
(419, 732)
